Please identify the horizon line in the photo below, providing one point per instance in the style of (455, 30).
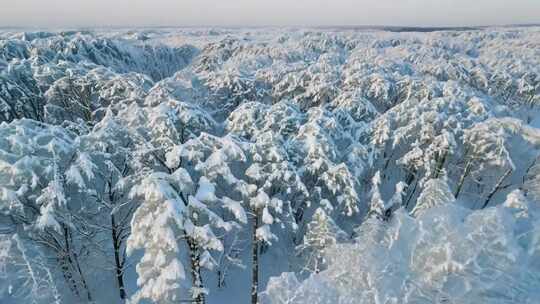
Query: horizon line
(357, 26)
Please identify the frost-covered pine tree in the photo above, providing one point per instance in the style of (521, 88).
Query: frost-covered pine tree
(215, 159)
(185, 204)
(435, 193)
(321, 233)
(157, 226)
(322, 166)
(272, 185)
(164, 125)
(376, 205)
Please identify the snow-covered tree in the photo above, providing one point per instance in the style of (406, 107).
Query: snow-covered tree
(105, 175)
(486, 154)
(275, 187)
(322, 166)
(321, 233)
(19, 93)
(216, 158)
(36, 195)
(482, 251)
(156, 227)
(436, 192)
(185, 205)
(377, 207)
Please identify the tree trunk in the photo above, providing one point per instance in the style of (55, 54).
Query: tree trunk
(83, 280)
(196, 270)
(411, 175)
(255, 261)
(66, 272)
(411, 195)
(117, 259)
(194, 257)
(440, 165)
(496, 188)
(462, 178)
(74, 260)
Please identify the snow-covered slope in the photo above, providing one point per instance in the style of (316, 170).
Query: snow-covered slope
(280, 166)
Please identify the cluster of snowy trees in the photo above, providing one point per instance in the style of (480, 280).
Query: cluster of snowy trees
(444, 254)
(269, 167)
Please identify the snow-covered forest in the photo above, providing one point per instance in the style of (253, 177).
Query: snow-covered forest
(271, 166)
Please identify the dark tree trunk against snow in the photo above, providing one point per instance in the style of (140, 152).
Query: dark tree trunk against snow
(440, 164)
(527, 176)
(53, 241)
(496, 188)
(531, 106)
(73, 260)
(466, 172)
(83, 280)
(411, 177)
(118, 260)
(118, 235)
(255, 260)
(196, 276)
(386, 164)
(67, 274)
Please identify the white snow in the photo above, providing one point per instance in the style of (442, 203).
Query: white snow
(366, 166)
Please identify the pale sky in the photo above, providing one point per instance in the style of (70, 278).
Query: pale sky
(77, 13)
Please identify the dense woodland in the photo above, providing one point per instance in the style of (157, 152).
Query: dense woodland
(270, 166)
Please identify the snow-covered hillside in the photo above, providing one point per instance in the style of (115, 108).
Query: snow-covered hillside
(270, 166)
